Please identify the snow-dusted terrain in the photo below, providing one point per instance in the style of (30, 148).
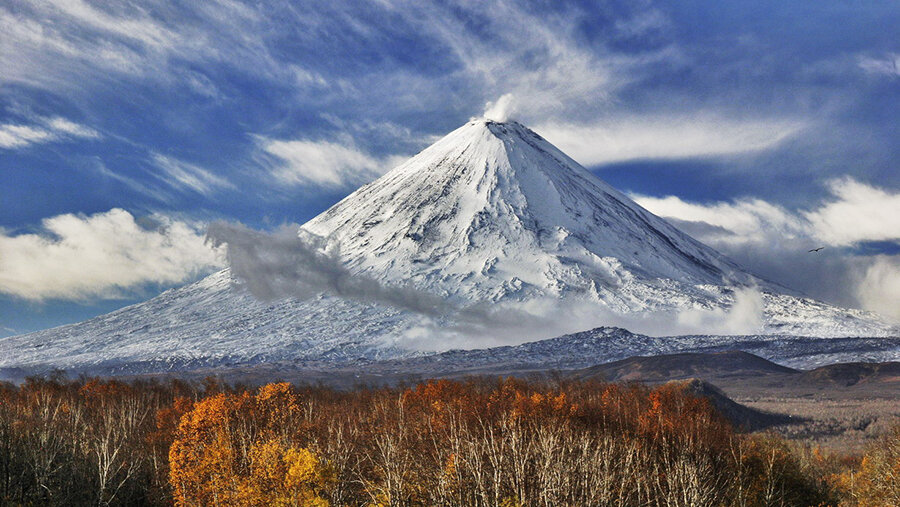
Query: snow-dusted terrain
(607, 344)
(491, 217)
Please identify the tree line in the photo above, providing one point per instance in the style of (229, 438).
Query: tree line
(478, 442)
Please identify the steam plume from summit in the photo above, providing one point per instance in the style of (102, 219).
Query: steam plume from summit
(501, 110)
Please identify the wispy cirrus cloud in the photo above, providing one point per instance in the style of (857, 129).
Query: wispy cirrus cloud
(72, 44)
(886, 65)
(465, 54)
(323, 163)
(666, 137)
(43, 130)
(105, 255)
(134, 24)
(538, 55)
(182, 175)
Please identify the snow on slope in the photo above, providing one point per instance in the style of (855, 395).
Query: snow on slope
(491, 212)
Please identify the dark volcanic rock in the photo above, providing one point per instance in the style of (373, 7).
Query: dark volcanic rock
(667, 367)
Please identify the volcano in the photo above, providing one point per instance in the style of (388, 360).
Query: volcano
(494, 211)
(492, 214)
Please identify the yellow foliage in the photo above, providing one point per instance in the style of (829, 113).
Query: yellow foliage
(225, 453)
(285, 477)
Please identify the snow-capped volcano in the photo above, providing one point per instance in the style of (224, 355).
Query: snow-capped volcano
(493, 210)
(490, 213)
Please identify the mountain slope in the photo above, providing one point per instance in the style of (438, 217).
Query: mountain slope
(490, 213)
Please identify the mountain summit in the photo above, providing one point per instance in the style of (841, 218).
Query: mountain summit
(491, 213)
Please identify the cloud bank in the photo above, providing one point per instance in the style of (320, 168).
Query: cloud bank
(105, 255)
(857, 212)
(774, 241)
(288, 264)
(745, 316)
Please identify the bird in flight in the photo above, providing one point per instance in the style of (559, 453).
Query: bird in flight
(816, 249)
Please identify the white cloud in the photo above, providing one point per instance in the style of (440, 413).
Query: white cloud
(18, 136)
(739, 222)
(855, 213)
(635, 138)
(63, 126)
(888, 65)
(185, 176)
(43, 130)
(323, 163)
(105, 255)
(859, 212)
(540, 56)
(774, 242)
(138, 27)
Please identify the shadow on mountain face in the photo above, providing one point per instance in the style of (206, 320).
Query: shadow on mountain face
(741, 416)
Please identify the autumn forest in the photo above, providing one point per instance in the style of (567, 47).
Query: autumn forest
(499, 442)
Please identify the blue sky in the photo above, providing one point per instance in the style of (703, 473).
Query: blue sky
(763, 128)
